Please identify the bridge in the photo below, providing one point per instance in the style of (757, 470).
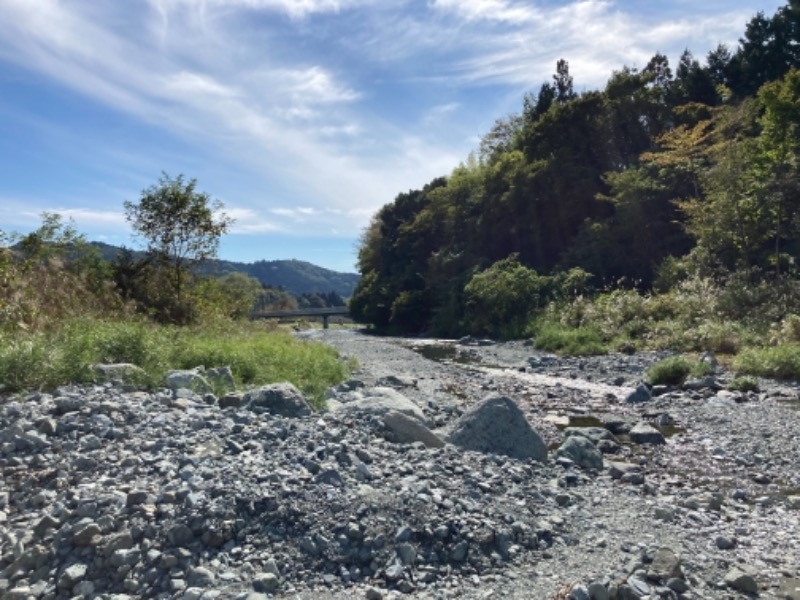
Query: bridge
(325, 313)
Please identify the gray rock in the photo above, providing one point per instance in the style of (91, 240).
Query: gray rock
(199, 577)
(282, 399)
(407, 430)
(644, 433)
(743, 579)
(381, 400)
(639, 395)
(617, 424)
(579, 592)
(666, 565)
(582, 452)
(71, 576)
(87, 535)
(266, 583)
(330, 477)
(373, 593)
(497, 425)
(597, 591)
(593, 434)
(724, 542)
(231, 400)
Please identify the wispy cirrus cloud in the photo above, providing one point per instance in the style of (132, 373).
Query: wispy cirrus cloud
(333, 106)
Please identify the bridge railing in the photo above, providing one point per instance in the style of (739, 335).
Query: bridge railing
(325, 313)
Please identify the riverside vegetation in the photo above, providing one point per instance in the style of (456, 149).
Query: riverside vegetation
(64, 309)
(658, 213)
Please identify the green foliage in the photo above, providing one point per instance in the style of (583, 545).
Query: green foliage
(675, 370)
(503, 298)
(778, 362)
(553, 336)
(181, 227)
(256, 356)
(744, 384)
(49, 274)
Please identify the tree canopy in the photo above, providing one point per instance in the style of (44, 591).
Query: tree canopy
(698, 165)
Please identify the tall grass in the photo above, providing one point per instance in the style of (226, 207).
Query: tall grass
(256, 354)
(579, 341)
(778, 362)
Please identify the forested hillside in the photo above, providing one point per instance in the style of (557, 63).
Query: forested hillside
(294, 276)
(668, 178)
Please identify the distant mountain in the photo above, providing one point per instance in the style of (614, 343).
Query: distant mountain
(295, 276)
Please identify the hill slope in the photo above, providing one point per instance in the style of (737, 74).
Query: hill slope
(295, 276)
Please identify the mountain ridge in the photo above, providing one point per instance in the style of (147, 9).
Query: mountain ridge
(292, 275)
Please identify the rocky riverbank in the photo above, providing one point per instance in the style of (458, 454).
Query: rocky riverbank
(426, 479)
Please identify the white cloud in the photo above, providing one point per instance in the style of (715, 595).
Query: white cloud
(294, 8)
(309, 105)
(489, 10)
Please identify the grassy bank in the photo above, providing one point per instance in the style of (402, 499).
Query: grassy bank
(256, 353)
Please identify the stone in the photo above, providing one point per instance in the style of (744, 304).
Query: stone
(496, 425)
(639, 395)
(199, 577)
(71, 576)
(87, 535)
(381, 400)
(282, 399)
(582, 452)
(666, 565)
(644, 433)
(373, 593)
(407, 430)
(742, 579)
(724, 542)
(597, 591)
(579, 592)
(593, 434)
(231, 400)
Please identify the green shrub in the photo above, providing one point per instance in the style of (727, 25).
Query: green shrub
(580, 341)
(779, 362)
(675, 370)
(502, 298)
(744, 384)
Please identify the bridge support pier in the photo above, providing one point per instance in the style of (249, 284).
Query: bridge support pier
(325, 321)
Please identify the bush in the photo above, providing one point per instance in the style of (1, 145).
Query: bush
(502, 298)
(744, 384)
(581, 341)
(675, 370)
(779, 362)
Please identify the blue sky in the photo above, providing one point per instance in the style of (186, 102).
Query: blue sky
(303, 117)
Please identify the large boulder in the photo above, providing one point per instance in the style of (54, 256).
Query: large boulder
(282, 399)
(380, 401)
(497, 425)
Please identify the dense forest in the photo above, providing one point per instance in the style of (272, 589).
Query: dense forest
(668, 179)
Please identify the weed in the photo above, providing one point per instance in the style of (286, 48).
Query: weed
(675, 370)
(581, 341)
